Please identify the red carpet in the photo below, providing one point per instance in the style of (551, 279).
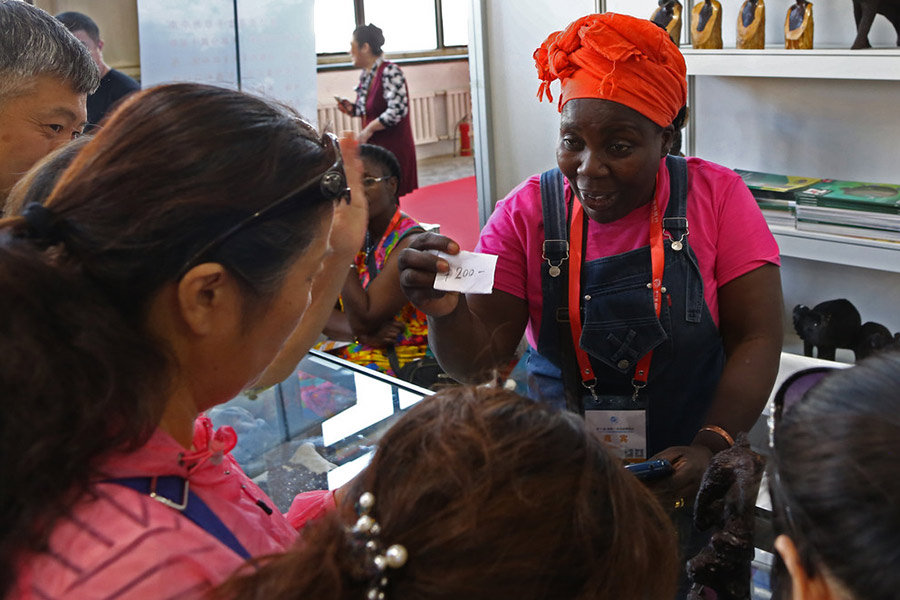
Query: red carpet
(453, 205)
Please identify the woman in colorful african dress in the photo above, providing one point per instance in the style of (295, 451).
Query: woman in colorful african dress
(387, 331)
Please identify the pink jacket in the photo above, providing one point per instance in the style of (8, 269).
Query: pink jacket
(124, 544)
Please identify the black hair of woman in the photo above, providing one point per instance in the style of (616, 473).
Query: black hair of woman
(383, 157)
(835, 482)
(371, 35)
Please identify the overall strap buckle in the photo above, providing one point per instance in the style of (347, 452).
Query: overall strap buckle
(557, 249)
(170, 503)
(638, 386)
(678, 225)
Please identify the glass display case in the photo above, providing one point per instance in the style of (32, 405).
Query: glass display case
(316, 429)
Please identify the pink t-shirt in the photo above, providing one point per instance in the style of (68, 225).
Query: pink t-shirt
(728, 234)
(126, 545)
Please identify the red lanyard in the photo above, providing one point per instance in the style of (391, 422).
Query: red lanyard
(657, 262)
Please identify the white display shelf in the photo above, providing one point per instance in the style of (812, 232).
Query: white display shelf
(872, 64)
(838, 249)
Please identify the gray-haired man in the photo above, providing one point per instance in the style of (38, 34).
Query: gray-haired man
(45, 77)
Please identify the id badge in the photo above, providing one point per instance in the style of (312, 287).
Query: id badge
(621, 422)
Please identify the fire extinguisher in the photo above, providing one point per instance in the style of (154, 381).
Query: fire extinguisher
(465, 142)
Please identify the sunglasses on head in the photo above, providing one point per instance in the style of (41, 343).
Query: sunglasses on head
(791, 393)
(332, 186)
(795, 387)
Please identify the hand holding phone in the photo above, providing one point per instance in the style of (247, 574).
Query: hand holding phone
(344, 105)
(651, 470)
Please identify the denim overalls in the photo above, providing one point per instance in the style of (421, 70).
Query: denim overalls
(620, 324)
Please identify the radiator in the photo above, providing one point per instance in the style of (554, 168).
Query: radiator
(459, 107)
(331, 119)
(422, 118)
(425, 114)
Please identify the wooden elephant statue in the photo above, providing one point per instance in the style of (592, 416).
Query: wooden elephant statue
(827, 326)
(864, 12)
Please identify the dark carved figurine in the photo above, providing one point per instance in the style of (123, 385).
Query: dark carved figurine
(872, 338)
(751, 25)
(706, 24)
(726, 501)
(799, 26)
(668, 16)
(864, 12)
(827, 326)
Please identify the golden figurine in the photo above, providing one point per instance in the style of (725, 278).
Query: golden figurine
(751, 25)
(668, 16)
(706, 24)
(798, 26)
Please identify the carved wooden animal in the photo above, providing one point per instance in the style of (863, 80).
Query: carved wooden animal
(827, 326)
(864, 12)
(799, 26)
(751, 25)
(872, 338)
(668, 16)
(706, 24)
(726, 500)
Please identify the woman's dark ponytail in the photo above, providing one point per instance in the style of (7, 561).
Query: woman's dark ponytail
(60, 339)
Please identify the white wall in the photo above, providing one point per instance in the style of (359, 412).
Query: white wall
(806, 127)
(525, 131)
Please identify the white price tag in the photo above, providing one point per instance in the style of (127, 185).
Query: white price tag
(470, 272)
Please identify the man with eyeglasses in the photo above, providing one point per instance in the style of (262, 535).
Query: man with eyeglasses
(45, 77)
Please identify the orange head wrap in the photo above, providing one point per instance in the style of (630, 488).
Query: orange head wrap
(619, 58)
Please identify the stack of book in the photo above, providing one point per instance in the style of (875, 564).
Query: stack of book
(869, 210)
(775, 194)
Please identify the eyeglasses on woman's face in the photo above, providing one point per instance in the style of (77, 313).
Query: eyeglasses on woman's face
(370, 182)
(332, 185)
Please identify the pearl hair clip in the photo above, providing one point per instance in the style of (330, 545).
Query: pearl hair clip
(378, 560)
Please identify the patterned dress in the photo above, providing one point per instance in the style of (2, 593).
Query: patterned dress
(412, 343)
(393, 85)
(382, 94)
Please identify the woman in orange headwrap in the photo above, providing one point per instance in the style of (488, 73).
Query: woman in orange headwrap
(647, 285)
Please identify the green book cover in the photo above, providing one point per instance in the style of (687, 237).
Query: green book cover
(772, 204)
(852, 195)
(770, 182)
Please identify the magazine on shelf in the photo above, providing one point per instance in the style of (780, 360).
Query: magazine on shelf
(774, 189)
(849, 230)
(779, 217)
(881, 198)
(857, 223)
